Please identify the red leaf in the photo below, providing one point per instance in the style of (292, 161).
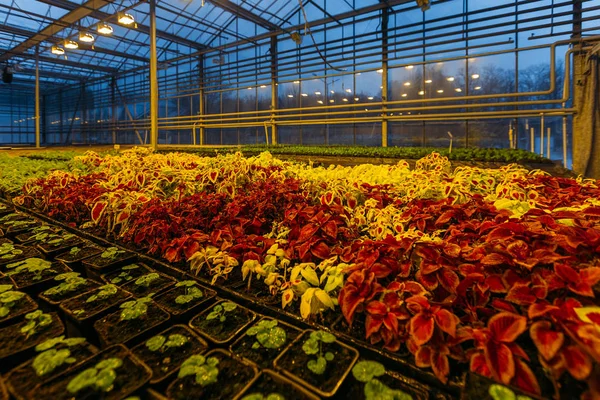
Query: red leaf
(503, 305)
(506, 327)
(479, 366)
(537, 310)
(525, 378)
(330, 228)
(495, 284)
(566, 273)
(372, 325)
(376, 308)
(451, 249)
(440, 366)
(493, 259)
(500, 361)
(307, 232)
(547, 340)
(448, 279)
(421, 328)
(430, 282)
(423, 357)
(97, 210)
(577, 362)
(521, 295)
(320, 250)
(446, 321)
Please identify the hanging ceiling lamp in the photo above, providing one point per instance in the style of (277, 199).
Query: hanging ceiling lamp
(125, 18)
(71, 45)
(59, 51)
(105, 29)
(86, 37)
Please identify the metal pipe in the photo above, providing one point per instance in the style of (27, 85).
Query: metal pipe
(548, 142)
(37, 96)
(532, 139)
(153, 78)
(564, 144)
(542, 135)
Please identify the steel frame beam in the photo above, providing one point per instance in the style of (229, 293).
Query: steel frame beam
(241, 12)
(30, 34)
(101, 15)
(56, 27)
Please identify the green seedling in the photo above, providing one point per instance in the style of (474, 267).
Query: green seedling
(51, 358)
(125, 275)
(367, 372)
(111, 253)
(8, 251)
(160, 343)
(8, 299)
(314, 345)
(134, 309)
(220, 310)
(74, 251)
(56, 240)
(499, 392)
(100, 378)
(35, 320)
(104, 292)
(260, 396)
(205, 369)
(192, 292)
(268, 334)
(35, 266)
(71, 282)
(146, 280)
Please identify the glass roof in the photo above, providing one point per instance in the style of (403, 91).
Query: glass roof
(183, 27)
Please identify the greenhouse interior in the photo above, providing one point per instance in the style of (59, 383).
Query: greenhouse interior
(311, 199)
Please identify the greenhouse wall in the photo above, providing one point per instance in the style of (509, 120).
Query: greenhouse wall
(330, 88)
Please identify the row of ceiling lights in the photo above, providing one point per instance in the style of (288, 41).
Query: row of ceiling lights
(102, 28)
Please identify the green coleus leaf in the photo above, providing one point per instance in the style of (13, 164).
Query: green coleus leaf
(364, 371)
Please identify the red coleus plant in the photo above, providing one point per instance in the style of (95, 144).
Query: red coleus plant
(387, 312)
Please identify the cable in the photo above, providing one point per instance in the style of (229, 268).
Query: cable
(307, 31)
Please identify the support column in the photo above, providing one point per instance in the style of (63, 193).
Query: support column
(37, 96)
(153, 78)
(113, 84)
(201, 110)
(274, 102)
(384, 75)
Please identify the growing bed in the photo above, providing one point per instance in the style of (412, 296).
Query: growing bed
(275, 277)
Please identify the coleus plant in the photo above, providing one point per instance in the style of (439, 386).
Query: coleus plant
(473, 242)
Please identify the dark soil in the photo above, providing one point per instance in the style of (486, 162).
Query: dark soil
(28, 279)
(24, 238)
(16, 230)
(21, 307)
(130, 377)
(294, 360)
(477, 387)
(132, 274)
(28, 252)
(165, 363)
(233, 378)
(269, 383)
(356, 390)
(89, 310)
(167, 300)
(24, 378)
(4, 240)
(222, 332)
(103, 265)
(112, 330)
(262, 356)
(57, 298)
(52, 249)
(156, 286)
(85, 252)
(12, 341)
